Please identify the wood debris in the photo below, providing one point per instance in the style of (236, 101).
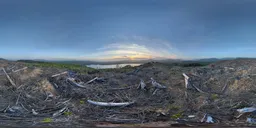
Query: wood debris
(60, 74)
(20, 69)
(110, 104)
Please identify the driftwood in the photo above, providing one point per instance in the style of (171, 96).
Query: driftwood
(60, 74)
(20, 69)
(157, 85)
(110, 104)
(8, 77)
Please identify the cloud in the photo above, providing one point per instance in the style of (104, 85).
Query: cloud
(134, 48)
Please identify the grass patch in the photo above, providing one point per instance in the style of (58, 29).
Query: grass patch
(67, 113)
(214, 96)
(81, 102)
(177, 116)
(73, 67)
(47, 120)
(173, 107)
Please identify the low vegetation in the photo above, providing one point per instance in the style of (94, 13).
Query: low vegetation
(73, 67)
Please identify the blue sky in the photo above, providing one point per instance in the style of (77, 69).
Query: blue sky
(127, 29)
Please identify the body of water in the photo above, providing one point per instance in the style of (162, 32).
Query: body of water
(98, 66)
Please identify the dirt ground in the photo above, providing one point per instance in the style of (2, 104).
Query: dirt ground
(39, 100)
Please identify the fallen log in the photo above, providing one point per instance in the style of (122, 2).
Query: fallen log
(110, 104)
(60, 74)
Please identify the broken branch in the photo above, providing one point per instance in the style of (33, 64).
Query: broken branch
(186, 81)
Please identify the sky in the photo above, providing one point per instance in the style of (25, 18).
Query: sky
(127, 29)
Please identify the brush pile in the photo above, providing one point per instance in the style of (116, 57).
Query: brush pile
(148, 93)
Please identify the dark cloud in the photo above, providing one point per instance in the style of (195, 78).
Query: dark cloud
(85, 25)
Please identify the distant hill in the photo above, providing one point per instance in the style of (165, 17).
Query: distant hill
(213, 59)
(86, 62)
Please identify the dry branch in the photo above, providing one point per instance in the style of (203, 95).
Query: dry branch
(199, 90)
(109, 104)
(20, 69)
(17, 101)
(8, 77)
(224, 89)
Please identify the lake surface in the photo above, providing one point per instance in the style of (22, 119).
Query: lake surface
(99, 66)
